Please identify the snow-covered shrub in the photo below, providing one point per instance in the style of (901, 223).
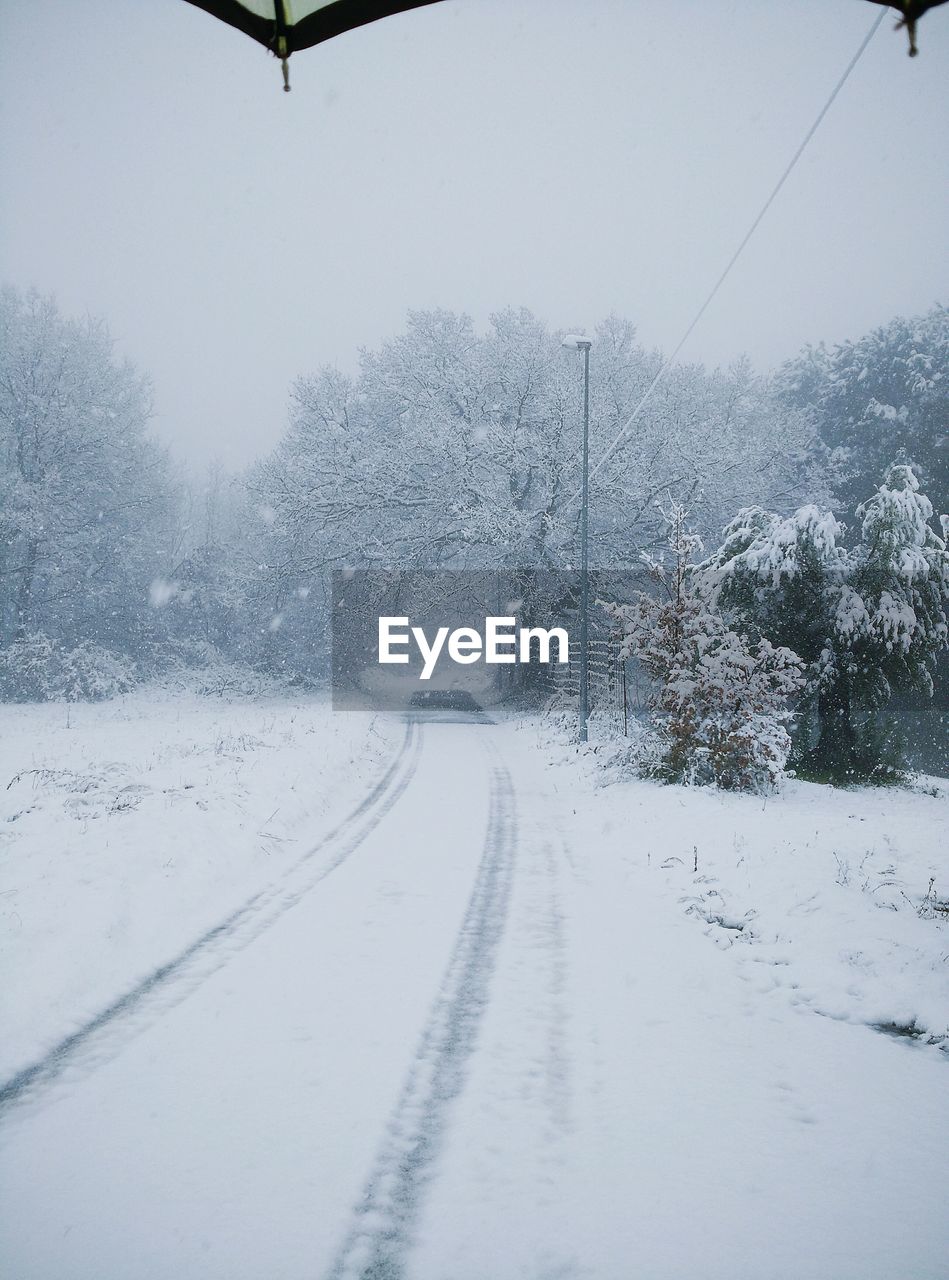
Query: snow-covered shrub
(720, 704)
(236, 680)
(866, 621)
(202, 670)
(640, 751)
(560, 713)
(38, 669)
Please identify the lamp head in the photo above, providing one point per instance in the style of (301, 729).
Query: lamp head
(577, 342)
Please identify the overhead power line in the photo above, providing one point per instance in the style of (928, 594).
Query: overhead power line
(668, 362)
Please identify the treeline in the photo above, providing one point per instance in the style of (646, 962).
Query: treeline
(449, 448)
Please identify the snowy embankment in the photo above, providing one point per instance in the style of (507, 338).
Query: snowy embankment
(839, 898)
(129, 827)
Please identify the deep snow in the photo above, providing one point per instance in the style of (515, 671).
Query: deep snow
(508, 1022)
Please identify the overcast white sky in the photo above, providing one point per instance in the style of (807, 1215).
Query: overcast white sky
(574, 156)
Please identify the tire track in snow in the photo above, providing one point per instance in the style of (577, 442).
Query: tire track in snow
(380, 1238)
(546, 932)
(98, 1040)
(519, 1096)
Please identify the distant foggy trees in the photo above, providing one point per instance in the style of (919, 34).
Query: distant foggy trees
(881, 399)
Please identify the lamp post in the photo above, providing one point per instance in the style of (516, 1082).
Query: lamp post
(575, 342)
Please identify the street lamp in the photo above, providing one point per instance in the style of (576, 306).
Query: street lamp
(576, 342)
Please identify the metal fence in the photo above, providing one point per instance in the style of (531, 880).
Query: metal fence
(608, 678)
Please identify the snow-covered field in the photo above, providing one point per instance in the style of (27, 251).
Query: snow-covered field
(127, 828)
(505, 1020)
(840, 898)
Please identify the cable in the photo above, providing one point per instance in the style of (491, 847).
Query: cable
(667, 363)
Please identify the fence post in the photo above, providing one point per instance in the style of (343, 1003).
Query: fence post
(625, 713)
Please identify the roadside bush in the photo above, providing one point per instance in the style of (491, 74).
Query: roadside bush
(38, 669)
(719, 707)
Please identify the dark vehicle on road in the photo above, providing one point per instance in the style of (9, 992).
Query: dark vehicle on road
(445, 700)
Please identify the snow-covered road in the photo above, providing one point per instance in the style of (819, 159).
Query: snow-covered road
(459, 1038)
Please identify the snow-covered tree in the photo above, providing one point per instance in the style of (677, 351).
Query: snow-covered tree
(87, 500)
(866, 621)
(713, 440)
(720, 702)
(458, 449)
(900, 575)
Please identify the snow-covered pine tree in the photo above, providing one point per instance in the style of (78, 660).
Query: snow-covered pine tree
(866, 621)
(720, 702)
(900, 576)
